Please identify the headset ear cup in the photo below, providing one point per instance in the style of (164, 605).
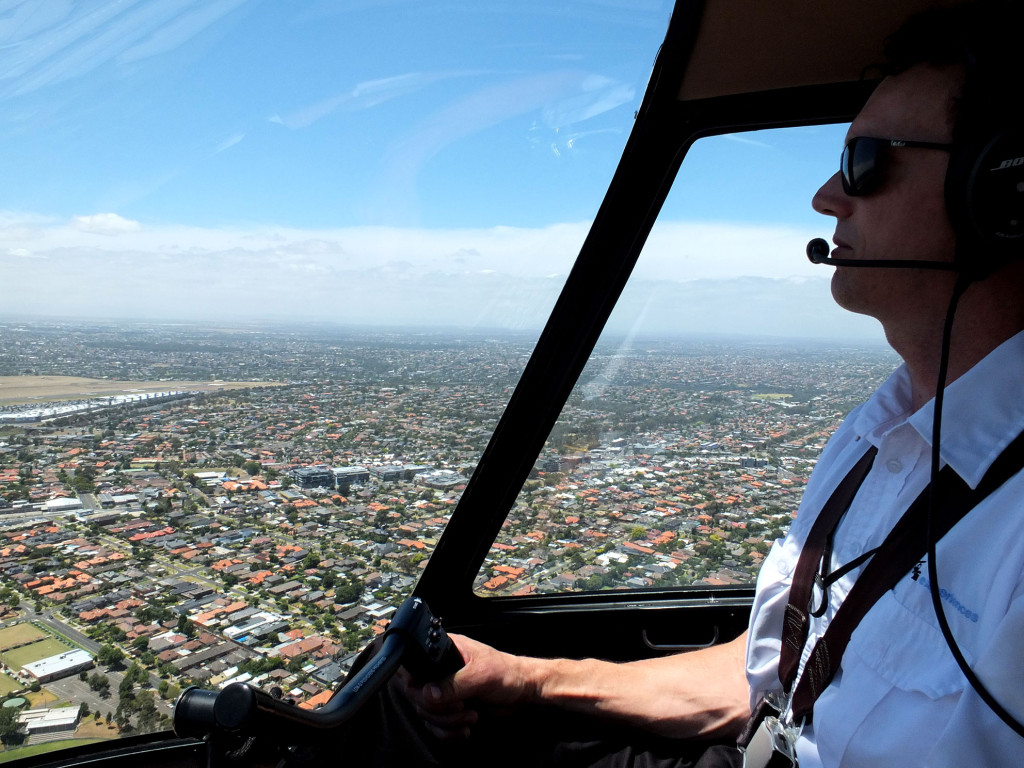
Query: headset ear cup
(985, 199)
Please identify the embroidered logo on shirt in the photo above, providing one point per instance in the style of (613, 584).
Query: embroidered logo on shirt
(918, 576)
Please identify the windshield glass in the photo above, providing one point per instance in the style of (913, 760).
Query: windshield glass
(684, 448)
(268, 273)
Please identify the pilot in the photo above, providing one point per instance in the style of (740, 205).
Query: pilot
(920, 182)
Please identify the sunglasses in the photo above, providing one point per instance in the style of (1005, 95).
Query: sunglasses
(863, 159)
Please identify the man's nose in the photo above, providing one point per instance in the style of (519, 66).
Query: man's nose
(830, 199)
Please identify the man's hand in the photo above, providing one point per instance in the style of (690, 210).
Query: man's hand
(489, 677)
(702, 694)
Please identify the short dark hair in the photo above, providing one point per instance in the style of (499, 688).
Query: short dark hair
(984, 39)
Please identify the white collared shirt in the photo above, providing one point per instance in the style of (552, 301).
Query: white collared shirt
(899, 698)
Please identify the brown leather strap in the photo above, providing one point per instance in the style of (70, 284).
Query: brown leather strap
(905, 546)
(796, 622)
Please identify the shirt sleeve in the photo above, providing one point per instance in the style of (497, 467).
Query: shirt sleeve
(764, 639)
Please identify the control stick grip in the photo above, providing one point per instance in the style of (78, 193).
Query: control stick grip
(415, 638)
(431, 655)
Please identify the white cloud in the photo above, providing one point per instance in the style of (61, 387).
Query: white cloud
(685, 251)
(697, 277)
(52, 42)
(595, 96)
(229, 142)
(365, 95)
(105, 224)
(180, 29)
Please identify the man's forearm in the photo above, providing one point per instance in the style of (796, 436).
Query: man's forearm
(698, 694)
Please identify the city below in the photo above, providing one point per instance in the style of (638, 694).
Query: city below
(205, 505)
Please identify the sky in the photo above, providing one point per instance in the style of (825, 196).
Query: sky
(378, 163)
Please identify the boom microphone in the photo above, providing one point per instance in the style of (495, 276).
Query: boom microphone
(818, 250)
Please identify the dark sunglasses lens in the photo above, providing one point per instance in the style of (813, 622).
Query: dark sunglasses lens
(859, 166)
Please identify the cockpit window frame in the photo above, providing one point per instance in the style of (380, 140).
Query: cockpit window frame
(664, 130)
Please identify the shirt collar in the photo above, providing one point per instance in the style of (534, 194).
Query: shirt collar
(983, 411)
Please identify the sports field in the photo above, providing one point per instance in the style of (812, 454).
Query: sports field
(19, 390)
(20, 634)
(9, 685)
(41, 649)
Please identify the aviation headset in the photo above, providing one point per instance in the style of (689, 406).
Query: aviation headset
(984, 185)
(984, 191)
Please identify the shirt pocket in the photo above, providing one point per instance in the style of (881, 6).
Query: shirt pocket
(906, 648)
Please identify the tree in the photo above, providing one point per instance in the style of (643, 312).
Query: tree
(186, 626)
(100, 684)
(110, 655)
(10, 728)
(126, 692)
(312, 560)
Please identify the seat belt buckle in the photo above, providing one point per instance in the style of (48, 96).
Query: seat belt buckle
(769, 747)
(767, 706)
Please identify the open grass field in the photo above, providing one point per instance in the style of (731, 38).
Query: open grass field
(40, 749)
(9, 685)
(20, 634)
(20, 390)
(19, 657)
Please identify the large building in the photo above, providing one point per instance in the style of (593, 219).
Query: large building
(440, 478)
(391, 473)
(61, 665)
(346, 477)
(317, 476)
(40, 721)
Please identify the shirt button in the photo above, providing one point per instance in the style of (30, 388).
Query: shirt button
(783, 566)
(894, 465)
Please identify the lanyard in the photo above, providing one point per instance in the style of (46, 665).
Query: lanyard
(907, 543)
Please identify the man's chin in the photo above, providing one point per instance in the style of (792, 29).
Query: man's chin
(846, 294)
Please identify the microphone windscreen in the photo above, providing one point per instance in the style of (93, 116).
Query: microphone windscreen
(818, 250)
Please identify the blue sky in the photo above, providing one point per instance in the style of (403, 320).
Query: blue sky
(261, 159)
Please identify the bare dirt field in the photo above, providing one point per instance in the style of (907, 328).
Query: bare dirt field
(17, 390)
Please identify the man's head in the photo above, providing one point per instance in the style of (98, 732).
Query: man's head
(941, 87)
(981, 41)
(904, 216)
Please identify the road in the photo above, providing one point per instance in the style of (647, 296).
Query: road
(73, 689)
(48, 619)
